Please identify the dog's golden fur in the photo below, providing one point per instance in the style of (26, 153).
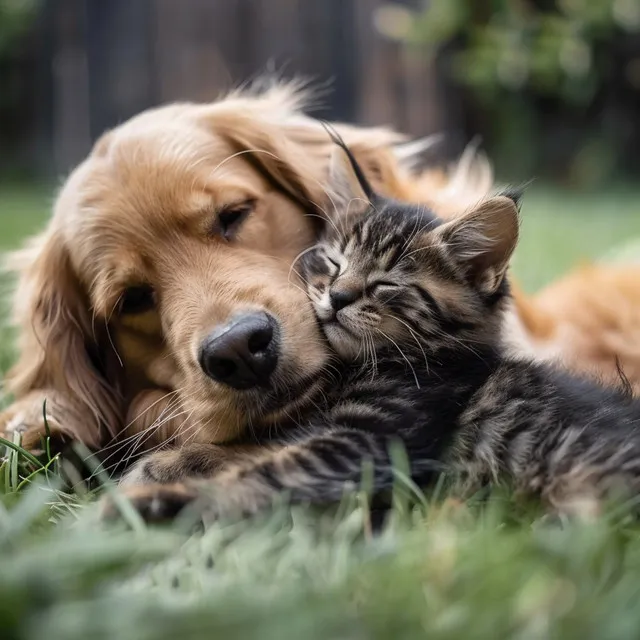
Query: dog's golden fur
(142, 208)
(588, 321)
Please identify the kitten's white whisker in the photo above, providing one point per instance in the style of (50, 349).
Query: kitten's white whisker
(414, 336)
(300, 255)
(404, 357)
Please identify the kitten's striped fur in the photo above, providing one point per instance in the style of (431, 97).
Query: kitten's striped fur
(413, 306)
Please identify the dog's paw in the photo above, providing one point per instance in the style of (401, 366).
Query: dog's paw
(155, 503)
(177, 465)
(27, 419)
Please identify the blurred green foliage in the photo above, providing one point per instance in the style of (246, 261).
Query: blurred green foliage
(517, 45)
(15, 17)
(529, 65)
(19, 85)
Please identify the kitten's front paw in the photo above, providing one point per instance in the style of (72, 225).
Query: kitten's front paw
(155, 503)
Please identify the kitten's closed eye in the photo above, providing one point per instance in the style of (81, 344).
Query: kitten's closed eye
(381, 287)
(333, 263)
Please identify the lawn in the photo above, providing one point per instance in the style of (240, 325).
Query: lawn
(440, 569)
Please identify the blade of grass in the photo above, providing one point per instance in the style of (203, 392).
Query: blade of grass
(364, 497)
(402, 476)
(6, 469)
(23, 452)
(15, 470)
(37, 472)
(47, 430)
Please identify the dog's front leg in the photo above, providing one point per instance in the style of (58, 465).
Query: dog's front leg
(41, 414)
(187, 462)
(315, 470)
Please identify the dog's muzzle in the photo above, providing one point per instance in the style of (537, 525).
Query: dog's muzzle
(243, 353)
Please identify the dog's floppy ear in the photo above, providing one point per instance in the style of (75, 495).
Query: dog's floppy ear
(268, 139)
(293, 150)
(61, 352)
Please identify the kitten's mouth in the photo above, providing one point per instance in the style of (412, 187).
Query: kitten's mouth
(343, 339)
(335, 324)
(330, 320)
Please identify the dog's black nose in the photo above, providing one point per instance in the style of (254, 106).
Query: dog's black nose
(243, 353)
(342, 299)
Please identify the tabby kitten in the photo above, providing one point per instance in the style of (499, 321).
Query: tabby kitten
(413, 306)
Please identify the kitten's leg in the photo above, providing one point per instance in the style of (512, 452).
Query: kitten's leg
(316, 470)
(583, 471)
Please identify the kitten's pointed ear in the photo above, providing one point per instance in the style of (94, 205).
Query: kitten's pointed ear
(345, 186)
(482, 241)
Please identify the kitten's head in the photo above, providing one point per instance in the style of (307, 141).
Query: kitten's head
(388, 272)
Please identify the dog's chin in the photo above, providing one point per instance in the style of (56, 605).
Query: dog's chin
(290, 389)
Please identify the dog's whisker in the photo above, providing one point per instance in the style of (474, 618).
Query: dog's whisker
(199, 428)
(133, 452)
(115, 439)
(139, 439)
(113, 346)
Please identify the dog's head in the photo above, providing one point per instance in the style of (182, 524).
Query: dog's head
(170, 264)
(164, 296)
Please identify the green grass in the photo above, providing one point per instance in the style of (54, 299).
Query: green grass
(484, 569)
(23, 211)
(560, 229)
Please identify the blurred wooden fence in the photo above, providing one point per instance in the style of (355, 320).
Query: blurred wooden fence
(109, 59)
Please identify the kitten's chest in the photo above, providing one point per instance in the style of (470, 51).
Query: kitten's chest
(421, 405)
(502, 425)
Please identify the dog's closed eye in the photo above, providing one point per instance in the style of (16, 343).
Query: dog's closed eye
(231, 217)
(137, 299)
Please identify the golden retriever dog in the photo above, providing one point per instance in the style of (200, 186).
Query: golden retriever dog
(587, 321)
(162, 301)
